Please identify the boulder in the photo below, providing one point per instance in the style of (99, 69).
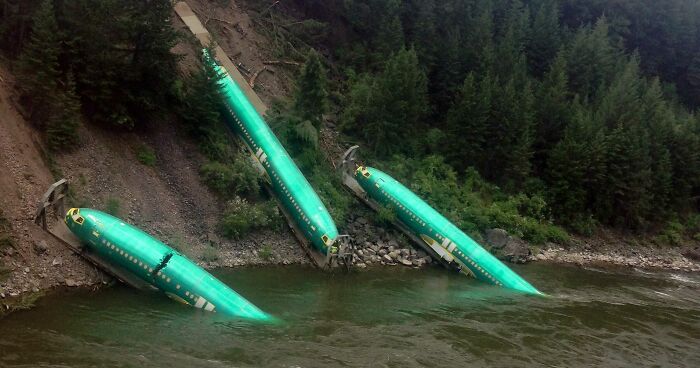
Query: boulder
(692, 253)
(406, 262)
(515, 251)
(41, 247)
(388, 259)
(497, 238)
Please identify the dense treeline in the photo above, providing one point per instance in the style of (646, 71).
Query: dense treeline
(579, 111)
(585, 103)
(110, 59)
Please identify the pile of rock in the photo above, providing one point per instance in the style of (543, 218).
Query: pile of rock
(375, 245)
(389, 253)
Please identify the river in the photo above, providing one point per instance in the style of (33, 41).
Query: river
(377, 318)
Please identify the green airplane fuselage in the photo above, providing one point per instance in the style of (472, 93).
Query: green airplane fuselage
(138, 253)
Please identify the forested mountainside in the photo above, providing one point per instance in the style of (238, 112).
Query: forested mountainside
(587, 105)
(513, 114)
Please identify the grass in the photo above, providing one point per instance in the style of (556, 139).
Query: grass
(146, 155)
(265, 252)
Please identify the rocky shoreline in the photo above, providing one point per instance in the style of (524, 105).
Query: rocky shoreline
(376, 246)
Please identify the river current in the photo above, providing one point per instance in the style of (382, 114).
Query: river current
(377, 318)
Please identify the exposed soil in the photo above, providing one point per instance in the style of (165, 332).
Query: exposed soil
(167, 200)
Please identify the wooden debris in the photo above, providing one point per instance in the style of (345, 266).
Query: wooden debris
(255, 76)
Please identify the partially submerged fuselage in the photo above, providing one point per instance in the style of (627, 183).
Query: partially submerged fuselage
(444, 238)
(138, 253)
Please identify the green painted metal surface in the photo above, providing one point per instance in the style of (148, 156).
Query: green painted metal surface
(451, 243)
(133, 250)
(290, 185)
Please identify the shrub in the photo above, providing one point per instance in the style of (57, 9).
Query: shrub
(386, 215)
(237, 178)
(242, 217)
(265, 252)
(584, 224)
(672, 234)
(473, 204)
(146, 155)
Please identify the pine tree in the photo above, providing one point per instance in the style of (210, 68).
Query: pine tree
(658, 119)
(576, 167)
(390, 35)
(467, 125)
(425, 37)
(62, 124)
(390, 107)
(619, 105)
(480, 55)
(311, 97)
(38, 68)
(591, 59)
(553, 111)
(510, 134)
(545, 37)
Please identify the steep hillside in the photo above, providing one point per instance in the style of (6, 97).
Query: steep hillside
(167, 198)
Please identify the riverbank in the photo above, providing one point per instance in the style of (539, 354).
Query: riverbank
(609, 249)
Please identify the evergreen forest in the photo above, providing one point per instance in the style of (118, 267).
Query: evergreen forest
(520, 114)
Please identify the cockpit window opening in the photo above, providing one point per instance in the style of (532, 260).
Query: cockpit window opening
(74, 213)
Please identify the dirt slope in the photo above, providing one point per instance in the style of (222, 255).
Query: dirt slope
(23, 178)
(167, 200)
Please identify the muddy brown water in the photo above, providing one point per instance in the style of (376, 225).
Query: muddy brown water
(377, 318)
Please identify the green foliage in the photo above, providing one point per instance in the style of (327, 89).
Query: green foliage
(231, 179)
(242, 217)
(311, 96)
(473, 204)
(38, 67)
(51, 98)
(672, 234)
(123, 63)
(265, 252)
(119, 67)
(113, 207)
(386, 216)
(201, 105)
(146, 155)
(389, 108)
